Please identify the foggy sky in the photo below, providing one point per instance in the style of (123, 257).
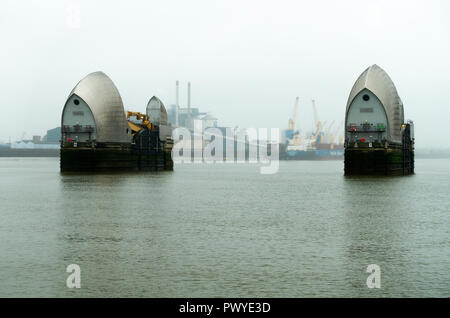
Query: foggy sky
(247, 60)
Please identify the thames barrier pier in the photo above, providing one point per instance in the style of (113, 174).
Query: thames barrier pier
(97, 134)
(377, 139)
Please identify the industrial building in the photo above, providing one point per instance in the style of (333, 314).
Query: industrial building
(377, 140)
(53, 136)
(47, 146)
(185, 116)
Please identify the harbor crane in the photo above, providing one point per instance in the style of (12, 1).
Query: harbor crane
(291, 123)
(336, 131)
(319, 125)
(316, 117)
(143, 121)
(327, 133)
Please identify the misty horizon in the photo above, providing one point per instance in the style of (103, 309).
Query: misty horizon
(247, 62)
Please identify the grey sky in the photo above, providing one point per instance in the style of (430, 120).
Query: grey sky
(247, 60)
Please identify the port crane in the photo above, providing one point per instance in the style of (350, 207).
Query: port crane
(319, 125)
(336, 131)
(327, 133)
(144, 121)
(291, 122)
(316, 117)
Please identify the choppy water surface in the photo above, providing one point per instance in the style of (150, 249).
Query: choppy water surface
(223, 230)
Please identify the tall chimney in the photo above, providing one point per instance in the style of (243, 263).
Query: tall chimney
(177, 103)
(189, 98)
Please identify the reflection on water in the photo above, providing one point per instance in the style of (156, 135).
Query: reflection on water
(223, 230)
(374, 227)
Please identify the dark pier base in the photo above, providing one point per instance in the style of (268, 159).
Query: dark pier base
(378, 161)
(113, 159)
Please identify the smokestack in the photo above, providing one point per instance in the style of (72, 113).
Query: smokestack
(189, 98)
(177, 103)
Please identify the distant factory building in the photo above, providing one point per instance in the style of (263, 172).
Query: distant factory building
(53, 135)
(94, 111)
(209, 121)
(29, 144)
(38, 142)
(185, 117)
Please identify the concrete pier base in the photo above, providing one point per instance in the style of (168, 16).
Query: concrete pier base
(113, 159)
(378, 161)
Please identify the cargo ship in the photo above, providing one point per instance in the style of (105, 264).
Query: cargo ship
(318, 145)
(314, 150)
(297, 153)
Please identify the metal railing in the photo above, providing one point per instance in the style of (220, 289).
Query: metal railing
(78, 129)
(366, 128)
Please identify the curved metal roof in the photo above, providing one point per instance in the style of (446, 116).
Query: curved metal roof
(157, 111)
(376, 80)
(103, 98)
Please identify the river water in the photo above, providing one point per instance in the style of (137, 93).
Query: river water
(224, 230)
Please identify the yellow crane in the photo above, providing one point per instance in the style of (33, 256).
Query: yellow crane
(144, 118)
(329, 128)
(319, 125)
(316, 117)
(336, 132)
